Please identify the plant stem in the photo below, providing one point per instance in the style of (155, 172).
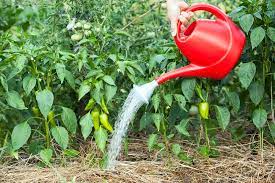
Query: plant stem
(271, 100)
(47, 132)
(206, 133)
(200, 134)
(262, 143)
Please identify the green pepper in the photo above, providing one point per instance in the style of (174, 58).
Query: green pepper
(35, 111)
(90, 104)
(104, 121)
(95, 118)
(204, 110)
(51, 118)
(103, 106)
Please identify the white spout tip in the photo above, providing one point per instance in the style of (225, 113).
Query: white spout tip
(145, 91)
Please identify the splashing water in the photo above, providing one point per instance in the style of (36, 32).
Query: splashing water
(136, 98)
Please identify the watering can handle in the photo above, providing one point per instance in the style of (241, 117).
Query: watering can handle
(206, 7)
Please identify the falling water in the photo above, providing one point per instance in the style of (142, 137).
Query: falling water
(136, 98)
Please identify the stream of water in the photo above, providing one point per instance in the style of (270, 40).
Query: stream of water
(136, 98)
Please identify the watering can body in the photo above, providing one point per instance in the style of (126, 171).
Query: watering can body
(213, 47)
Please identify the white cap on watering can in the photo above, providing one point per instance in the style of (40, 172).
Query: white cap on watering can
(145, 91)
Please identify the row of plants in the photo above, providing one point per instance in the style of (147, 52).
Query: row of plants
(66, 68)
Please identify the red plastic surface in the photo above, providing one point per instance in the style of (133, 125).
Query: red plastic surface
(213, 47)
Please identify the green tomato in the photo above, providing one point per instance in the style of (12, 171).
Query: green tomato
(76, 37)
(87, 26)
(87, 32)
(78, 25)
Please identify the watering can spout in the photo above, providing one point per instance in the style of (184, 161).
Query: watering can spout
(187, 71)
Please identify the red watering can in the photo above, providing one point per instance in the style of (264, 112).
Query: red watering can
(212, 47)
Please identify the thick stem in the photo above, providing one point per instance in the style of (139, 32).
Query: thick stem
(200, 134)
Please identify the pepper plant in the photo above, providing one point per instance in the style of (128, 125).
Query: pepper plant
(66, 67)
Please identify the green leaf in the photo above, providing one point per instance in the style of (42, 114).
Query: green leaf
(46, 155)
(83, 90)
(152, 140)
(258, 15)
(101, 137)
(272, 130)
(69, 119)
(86, 125)
(256, 37)
(157, 118)
(4, 83)
(181, 101)
(171, 66)
(109, 80)
(14, 100)
(121, 66)
(259, 118)
(271, 33)
(110, 92)
(204, 151)
(246, 22)
(256, 92)
(131, 70)
(145, 120)
(154, 60)
(156, 101)
(176, 149)
(188, 88)
(246, 73)
(137, 67)
(29, 83)
(71, 153)
(15, 154)
(113, 57)
(168, 98)
(45, 101)
(61, 136)
(223, 116)
(61, 71)
(19, 65)
(234, 100)
(70, 79)
(20, 135)
(182, 127)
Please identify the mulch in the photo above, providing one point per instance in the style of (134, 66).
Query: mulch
(236, 163)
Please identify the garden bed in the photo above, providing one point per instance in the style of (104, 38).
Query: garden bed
(237, 163)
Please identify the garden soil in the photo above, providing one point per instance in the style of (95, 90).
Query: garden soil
(237, 163)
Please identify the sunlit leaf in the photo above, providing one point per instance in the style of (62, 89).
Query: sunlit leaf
(259, 118)
(61, 136)
(152, 140)
(101, 137)
(14, 100)
(69, 119)
(20, 135)
(45, 101)
(246, 73)
(29, 83)
(223, 116)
